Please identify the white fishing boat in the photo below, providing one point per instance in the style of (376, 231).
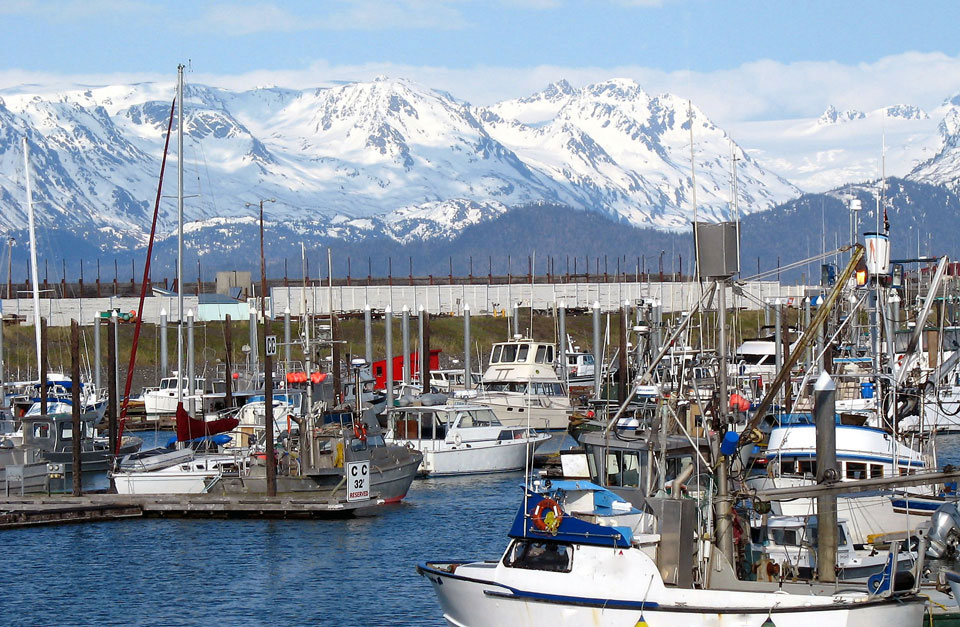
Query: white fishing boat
(163, 399)
(862, 453)
(522, 387)
(461, 439)
(580, 555)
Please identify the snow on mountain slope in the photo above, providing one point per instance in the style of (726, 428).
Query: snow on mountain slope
(621, 149)
(837, 149)
(943, 165)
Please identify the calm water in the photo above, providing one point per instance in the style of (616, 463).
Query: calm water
(359, 571)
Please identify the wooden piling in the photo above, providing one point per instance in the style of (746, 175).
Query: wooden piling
(228, 349)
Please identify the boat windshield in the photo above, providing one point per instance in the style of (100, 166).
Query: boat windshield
(504, 386)
(554, 557)
(477, 418)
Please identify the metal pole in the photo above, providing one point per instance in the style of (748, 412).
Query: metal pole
(824, 408)
(254, 360)
(806, 324)
(597, 351)
(388, 320)
(96, 353)
(34, 273)
(405, 334)
(163, 343)
(112, 404)
(424, 346)
(76, 433)
(368, 334)
(724, 505)
(622, 378)
(516, 318)
(191, 367)
(424, 380)
(43, 366)
(562, 331)
(287, 348)
(3, 378)
(466, 347)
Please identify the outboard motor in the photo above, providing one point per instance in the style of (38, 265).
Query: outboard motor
(944, 531)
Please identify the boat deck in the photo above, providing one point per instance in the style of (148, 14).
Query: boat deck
(27, 511)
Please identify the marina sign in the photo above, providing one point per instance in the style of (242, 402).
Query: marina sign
(358, 481)
(271, 345)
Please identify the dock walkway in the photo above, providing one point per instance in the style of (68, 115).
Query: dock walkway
(27, 511)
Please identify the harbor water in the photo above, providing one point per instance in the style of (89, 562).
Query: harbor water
(358, 571)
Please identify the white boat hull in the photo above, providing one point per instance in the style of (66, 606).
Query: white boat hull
(473, 602)
(468, 458)
(191, 482)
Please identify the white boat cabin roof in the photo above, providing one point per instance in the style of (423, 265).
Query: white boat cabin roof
(521, 359)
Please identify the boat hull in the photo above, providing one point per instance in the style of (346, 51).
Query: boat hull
(475, 602)
(492, 457)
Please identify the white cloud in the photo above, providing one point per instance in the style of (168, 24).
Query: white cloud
(755, 91)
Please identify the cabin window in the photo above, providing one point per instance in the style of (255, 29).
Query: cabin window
(523, 352)
(623, 469)
(784, 537)
(856, 470)
(41, 430)
(549, 355)
(876, 470)
(588, 360)
(541, 354)
(808, 467)
(509, 353)
(554, 557)
(558, 389)
(788, 466)
(357, 445)
(497, 350)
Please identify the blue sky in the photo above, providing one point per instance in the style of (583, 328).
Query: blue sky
(747, 59)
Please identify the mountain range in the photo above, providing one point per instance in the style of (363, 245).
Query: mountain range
(393, 163)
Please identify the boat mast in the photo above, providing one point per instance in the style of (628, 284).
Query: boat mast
(180, 233)
(33, 253)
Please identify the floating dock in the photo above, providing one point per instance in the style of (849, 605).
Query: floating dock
(28, 511)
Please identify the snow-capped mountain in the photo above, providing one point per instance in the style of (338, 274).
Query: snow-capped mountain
(390, 155)
(628, 153)
(943, 167)
(832, 116)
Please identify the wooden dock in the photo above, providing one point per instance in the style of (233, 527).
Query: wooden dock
(28, 511)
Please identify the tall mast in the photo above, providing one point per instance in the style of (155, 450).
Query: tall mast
(180, 233)
(33, 253)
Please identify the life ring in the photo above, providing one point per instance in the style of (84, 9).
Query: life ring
(360, 430)
(547, 516)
